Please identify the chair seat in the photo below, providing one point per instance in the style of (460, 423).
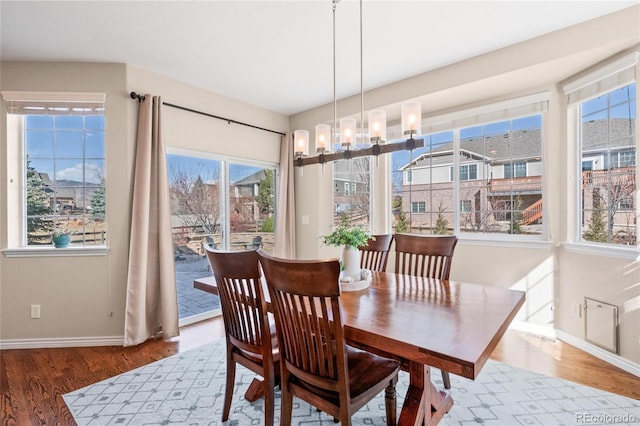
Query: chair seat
(255, 357)
(366, 370)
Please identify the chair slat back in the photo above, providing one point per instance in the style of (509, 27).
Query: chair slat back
(424, 256)
(305, 298)
(374, 255)
(244, 308)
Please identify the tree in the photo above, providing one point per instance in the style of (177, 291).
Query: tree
(38, 206)
(265, 198)
(98, 208)
(197, 203)
(515, 225)
(442, 224)
(402, 225)
(596, 231)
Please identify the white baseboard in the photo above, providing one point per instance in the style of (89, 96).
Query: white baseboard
(589, 348)
(611, 358)
(65, 342)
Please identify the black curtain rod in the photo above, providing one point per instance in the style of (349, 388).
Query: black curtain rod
(140, 98)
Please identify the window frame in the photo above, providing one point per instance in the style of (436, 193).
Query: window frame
(19, 105)
(511, 109)
(617, 73)
(418, 207)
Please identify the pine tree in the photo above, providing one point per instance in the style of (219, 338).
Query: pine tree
(442, 224)
(265, 193)
(98, 207)
(515, 225)
(37, 207)
(402, 224)
(597, 229)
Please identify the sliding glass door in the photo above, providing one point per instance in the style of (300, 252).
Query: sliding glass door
(215, 202)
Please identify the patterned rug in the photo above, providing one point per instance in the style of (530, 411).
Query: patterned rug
(188, 389)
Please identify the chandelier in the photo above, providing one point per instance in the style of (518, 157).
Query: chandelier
(325, 135)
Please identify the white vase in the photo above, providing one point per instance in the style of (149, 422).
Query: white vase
(351, 263)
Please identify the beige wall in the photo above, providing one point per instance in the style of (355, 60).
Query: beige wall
(555, 280)
(82, 298)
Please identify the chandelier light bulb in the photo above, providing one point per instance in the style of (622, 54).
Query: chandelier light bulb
(411, 118)
(323, 138)
(377, 126)
(347, 132)
(301, 143)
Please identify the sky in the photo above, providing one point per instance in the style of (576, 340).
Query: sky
(208, 169)
(59, 145)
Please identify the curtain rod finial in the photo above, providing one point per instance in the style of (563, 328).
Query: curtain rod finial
(134, 95)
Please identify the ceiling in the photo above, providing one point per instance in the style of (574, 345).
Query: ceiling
(278, 54)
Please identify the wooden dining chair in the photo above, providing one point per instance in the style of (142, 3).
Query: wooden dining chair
(317, 365)
(374, 255)
(251, 340)
(426, 256)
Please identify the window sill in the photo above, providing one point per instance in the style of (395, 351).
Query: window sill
(620, 252)
(56, 252)
(527, 243)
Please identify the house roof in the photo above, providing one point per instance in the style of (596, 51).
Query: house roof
(523, 144)
(252, 179)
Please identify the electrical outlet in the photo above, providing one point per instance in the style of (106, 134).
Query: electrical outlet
(35, 311)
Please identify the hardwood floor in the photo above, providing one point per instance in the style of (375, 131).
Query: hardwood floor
(32, 381)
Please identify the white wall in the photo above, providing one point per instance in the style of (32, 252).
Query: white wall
(553, 278)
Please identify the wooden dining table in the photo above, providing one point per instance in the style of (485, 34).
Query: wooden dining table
(425, 323)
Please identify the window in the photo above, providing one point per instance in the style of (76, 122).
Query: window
(418, 207)
(465, 173)
(422, 191)
(354, 202)
(468, 172)
(465, 205)
(502, 205)
(515, 170)
(608, 192)
(62, 144)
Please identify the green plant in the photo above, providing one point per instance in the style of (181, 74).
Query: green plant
(346, 235)
(60, 229)
(402, 225)
(267, 225)
(442, 224)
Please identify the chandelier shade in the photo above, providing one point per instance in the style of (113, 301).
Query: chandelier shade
(323, 138)
(348, 132)
(301, 143)
(377, 126)
(411, 118)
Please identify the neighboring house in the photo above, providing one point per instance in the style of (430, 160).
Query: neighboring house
(243, 196)
(63, 196)
(500, 179)
(497, 179)
(351, 187)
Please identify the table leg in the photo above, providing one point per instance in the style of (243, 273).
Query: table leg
(255, 390)
(424, 403)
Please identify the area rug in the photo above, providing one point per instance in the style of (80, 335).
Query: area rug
(188, 389)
